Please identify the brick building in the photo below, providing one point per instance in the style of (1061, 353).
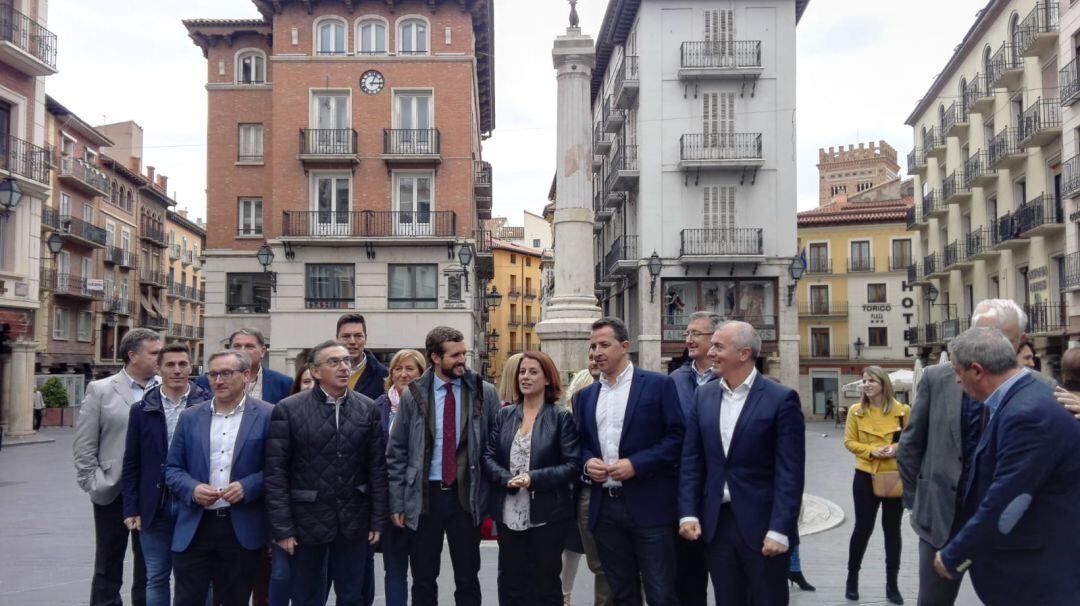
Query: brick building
(849, 171)
(346, 137)
(186, 294)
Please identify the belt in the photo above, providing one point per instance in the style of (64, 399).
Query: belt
(613, 492)
(435, 484)
(222, 512)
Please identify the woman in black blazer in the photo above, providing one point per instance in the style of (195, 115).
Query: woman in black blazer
(533, 457)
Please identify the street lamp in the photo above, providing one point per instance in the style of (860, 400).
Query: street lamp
(931, 293)
(796, 270)
(493, 298)
(655, 265)
(266, 257)
(858, 346)
(10, 195)
(465, 256)
(55, 243)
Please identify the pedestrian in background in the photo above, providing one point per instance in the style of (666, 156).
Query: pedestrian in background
(39, 407)
(1025, 355)
(872, 434)
(508, 379)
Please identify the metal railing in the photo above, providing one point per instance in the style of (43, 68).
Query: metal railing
(28, 35)
(721, 55)
(529, 294)
(186, 256)
(1069, 82)
(720, 146)
(915, 273)
(1046, 317)
(68, 284)
(1006, 58)
(913, 216)
(721, 241)
(1005, 229)
(152, 276)
(1070, 177)
(481, 173)
(114, 255)
(955, 252)
(956, 113)
(823, 308)
(411, 142)
(81, 170)
(933, 139)
(153, 233)
(824, 350)
(819, 265)
(860, 264)
(899, 263)
(954, 184)
(1042, 210)
(979, 241)
(327, 142)
(610, 112)
(976, 165)
(977, 88)
(1071, 277)
(931, 203)
(155, 321)
(624, 248)
(1043, 114)
(70, 226)
(915, 158)
(627, 70)
(1003, 144)
(174, 251)
(369, 223)
(25, 159)
(120, 306)
(951, 328)
(1042, 19)
(932, 263)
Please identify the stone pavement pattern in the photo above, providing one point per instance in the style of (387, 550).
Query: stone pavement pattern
(46, 525)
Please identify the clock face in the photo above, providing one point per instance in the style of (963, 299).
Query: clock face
(371, 82)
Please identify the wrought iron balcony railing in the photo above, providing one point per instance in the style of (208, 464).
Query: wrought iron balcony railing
(28, 35)
(720, 146)
(327, 142)
(729, 54)
(411, 142)
(721, 241)
(369, 223)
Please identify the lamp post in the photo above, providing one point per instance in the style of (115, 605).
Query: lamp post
(465, 257)
(796, 269)
(655, 265)
(493, 298)
(265, 255)
(858, 346)
(10, 195)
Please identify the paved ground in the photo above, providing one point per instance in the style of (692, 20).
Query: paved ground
(46, 531)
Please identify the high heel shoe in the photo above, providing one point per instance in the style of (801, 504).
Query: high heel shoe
(892, 592)
(852, 590)
(797, 578)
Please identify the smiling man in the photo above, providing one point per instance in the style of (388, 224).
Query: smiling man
(366, 373)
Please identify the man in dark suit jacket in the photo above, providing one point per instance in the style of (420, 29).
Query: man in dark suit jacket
(267, 385)
(215, 468)
(1022, 535)
(631, 427)
(741, 476)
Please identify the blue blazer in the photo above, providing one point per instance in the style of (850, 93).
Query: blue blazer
(276, 386)
(652, 438)
(1022, 536)
(763, 469)
(371, 382)
(686, 384)
(145, 452)
(189, 465)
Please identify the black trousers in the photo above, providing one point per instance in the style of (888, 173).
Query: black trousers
(741, 575)
(691, 572)
(866, 507)
(215, 555)
(530, 562)
(634, 556)
(445, 517)
(111, 540)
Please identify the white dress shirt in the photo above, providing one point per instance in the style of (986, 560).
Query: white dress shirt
(223, 431)
(172, 411)
(138, 391)
(610, 414)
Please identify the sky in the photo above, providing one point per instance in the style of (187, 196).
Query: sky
(861, 67)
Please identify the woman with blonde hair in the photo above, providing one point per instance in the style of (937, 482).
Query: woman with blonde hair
(508, 379)
(872, 434)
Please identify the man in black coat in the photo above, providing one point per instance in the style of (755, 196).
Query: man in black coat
(325, 480)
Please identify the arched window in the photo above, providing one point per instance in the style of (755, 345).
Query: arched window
(330, 37)
(986, 66)
(115, 193)
(250, 67)
(1014, 32)
(413, 37)
(130, 203)
(371, 37)
(941, 118)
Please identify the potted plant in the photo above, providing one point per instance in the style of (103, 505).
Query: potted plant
(57, 413)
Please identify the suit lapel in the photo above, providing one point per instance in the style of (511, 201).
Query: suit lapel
(207, 414)
(747, 409)
(248, 419)
(588, 401)
(709, 421)
(122, 389)
(991, 426)
(636, 382)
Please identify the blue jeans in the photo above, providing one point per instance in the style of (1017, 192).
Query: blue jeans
(280, 587)
(348, 560)
(395, 554)
(156, 542)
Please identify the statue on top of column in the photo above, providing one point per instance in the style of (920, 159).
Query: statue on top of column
(573, 13)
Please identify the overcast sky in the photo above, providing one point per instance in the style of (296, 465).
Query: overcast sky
(861, 67)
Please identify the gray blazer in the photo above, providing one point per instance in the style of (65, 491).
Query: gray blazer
(100, 434)
(931, 451)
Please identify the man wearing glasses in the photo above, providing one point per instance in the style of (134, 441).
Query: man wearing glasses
(326, 486)
(220, 530)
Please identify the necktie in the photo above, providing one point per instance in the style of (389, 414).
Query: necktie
(449, 437)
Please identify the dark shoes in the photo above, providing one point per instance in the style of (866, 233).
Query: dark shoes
(851, 592)
(892, 592)
(797, 578)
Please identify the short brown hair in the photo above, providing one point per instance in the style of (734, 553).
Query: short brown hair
(553, 391)
(350, 319)
(439, 335)
(173, 348)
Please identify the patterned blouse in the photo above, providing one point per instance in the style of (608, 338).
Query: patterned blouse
(516, 505)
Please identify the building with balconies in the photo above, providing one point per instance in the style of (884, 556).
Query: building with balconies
(995, 192)
(696, 173)
(185, 293)
(855, 302)
(351, 149)
(518, 278)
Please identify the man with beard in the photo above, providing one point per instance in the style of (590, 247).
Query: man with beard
(438, 437)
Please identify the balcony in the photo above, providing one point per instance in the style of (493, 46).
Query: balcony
(186, 258)
(623, 171)
(375, 224)
(1041, 216)
(153, 321)
(1007, 233)
(626, 82)
(122, 307)
(916, 162)
(1047, 319)
(1069, 82)
(328, 146)
(71, 229)
(934, 143)
(977, 171)
(71, 285)
(602, 209)
(1006, 67)
(1004, 151)
(914, 218)
(27, 162)
(712, 59)
(411, 145)
(979, 95)
(174, 252)
(860, 264)
(482, 178)
(114, 255)
(1040, 124)
(980, 244)
(899, 263)
(153, 277)
(603, 280)
(83, 176)
(949, 329)
(823, 351)
(529, 294)
(823, 309)
(954, 189)
(601, 141)
(1070, 280)
(1070, 177)
(915, 275)
(934, 266)
(932, 206)
(819, 264)
(923, 335)
(1039, 30)
(709, 245)
(25, 44)
(153, 233)
(612, 117)
(955, 121)
(175, 290)
(956, 255)
(615, 200)
(622, 257)
(720, 151)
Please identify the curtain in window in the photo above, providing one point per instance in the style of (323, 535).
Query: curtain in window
(413, 286)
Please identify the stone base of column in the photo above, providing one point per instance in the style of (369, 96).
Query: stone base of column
(566, 340)
(18, 393)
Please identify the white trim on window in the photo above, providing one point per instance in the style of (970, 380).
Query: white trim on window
(60, 324)
(255, 80)
(83, 331)
(358, 41)
(400, 36)
(315, 50)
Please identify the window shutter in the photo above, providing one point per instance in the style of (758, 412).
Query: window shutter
(727, 119)
(711, 208)
(727, 207)
(712, 18)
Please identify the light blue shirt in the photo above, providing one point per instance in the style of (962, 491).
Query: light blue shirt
(435, 474)
(172, 411)
(995, 398)
(702, 378)
(138, 391)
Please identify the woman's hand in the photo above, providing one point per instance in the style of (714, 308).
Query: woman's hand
(521, 480)
(889, 452)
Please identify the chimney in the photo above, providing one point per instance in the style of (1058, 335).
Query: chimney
(182, 212)
(150, 174)
(162, 183)
(135, 164)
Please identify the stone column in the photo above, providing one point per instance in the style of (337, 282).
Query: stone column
(564, 332)
(18, 392)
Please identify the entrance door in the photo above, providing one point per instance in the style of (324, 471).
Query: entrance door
(330, 117)
(413, 113)
(414, 205)
(825, 389)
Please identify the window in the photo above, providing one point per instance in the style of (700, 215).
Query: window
(65, 205)
(719, 207)
(413, 121)
(718, 120)
(88, 213)
(528, 262)
(247, 293)
(87, 271)
(413, 37)
(110, 233)
(60, 324)
(413, 287)
(250, 144)
(879, 336)
(330, 38)
(83, 331)
(819, 259)
(125, 240)
(329, 286)
(250, 68)
(414, 204)
(513, 261)
(819, 300)
(331, 201)
(371, 38)
(901, 254)
(536, 242)
(250, 216)
(819, 343)
(860, 256)
(876, 293)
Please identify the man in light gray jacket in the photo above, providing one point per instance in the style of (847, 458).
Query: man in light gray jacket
(100, 437)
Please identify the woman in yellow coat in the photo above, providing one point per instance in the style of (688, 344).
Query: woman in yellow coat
(872, 435)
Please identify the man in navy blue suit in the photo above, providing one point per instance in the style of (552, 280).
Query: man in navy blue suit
(1022, 534)
(632, 430)
(265, 384)
(215, 468)
(741, 477)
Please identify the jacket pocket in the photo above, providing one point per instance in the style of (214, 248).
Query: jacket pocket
(303, 496)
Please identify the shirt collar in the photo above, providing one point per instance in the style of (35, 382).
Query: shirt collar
(362, 363)
(167, 400)
(709, 372)
(239, 408)
(747, 383)
(439, 382)
(153, 381)
(619, 380)
(995, 398)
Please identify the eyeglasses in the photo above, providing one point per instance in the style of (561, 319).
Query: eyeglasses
(335, 362)
(694, 334)
(224, 374)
